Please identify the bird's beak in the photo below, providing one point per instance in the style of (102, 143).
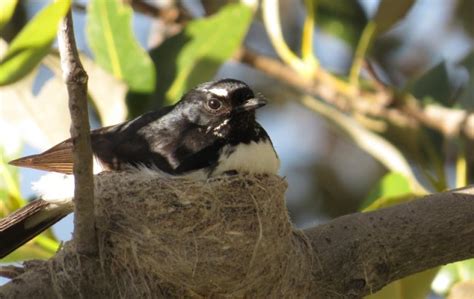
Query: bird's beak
(251, 104)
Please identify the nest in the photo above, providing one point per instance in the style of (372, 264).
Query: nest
(225, 237)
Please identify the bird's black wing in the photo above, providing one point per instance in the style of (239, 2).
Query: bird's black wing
(114, 146)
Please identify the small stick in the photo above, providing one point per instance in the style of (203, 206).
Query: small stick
(76, 78)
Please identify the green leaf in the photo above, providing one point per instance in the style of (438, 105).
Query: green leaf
(392, 189)
(7, 8)
(344, 19)
(110, 36)
(194, 55)
(389, 12)
(453, 273)
(433, 86)
(32, 43)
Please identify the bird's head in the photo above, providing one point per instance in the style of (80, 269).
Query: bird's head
(218, 104)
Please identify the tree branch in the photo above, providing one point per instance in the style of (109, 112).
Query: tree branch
(381, 103)
(360, 253)
(231, 236)
(76, 80)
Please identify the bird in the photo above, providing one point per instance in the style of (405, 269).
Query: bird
(211, 131)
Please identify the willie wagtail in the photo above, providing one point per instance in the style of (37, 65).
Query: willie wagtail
(211, 131)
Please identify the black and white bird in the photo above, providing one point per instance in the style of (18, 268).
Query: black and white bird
(211, 131)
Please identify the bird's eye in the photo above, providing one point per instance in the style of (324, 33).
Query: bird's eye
(214, 104)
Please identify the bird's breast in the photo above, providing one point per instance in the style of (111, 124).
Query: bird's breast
(253, 157)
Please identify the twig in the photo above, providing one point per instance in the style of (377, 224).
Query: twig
(76, 80)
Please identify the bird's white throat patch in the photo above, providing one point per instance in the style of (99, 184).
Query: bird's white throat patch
(217, 130)
(255, 157)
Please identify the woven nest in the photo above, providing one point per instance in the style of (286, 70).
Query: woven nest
(225, 237)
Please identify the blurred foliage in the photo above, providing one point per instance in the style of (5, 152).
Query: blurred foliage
(33, 43)
(453, 274)
(123, 73)
(433, 86)
(43, 246)
(390, 13)
(466, 99)
(415, 286)
(343, 19)
(7, 8)
(464, 10)
(393, 188)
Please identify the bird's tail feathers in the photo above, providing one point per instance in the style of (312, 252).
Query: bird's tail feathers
(26, 223)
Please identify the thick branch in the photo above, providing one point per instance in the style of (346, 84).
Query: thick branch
(76, 81)
(360, 253)
(232, 237)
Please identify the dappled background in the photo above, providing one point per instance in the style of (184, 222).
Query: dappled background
(338, 156)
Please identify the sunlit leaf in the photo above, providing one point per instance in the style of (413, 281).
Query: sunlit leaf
(115, 48)
(212, 41)
(7, 8)
(389, 12)
(32, 43)
(433, 86)
(393, 188)
(415, 286)
(195, 55)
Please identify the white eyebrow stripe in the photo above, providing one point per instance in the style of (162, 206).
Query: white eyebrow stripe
(221, 92)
